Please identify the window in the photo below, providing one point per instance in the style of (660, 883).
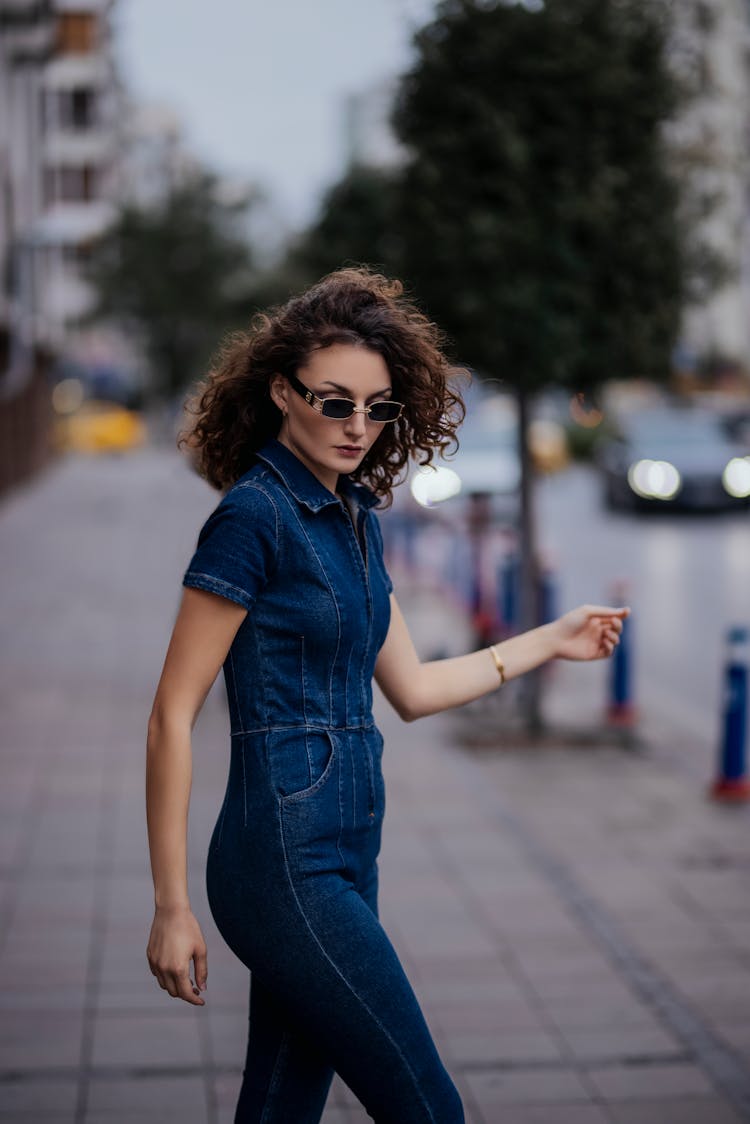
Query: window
(68, 184)
(82, 108)
(76, 33)
(76, 109)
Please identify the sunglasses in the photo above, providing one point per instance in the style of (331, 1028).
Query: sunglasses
(339, 408)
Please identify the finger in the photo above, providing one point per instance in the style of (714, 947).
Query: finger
(185, 989)
(607, 611)
(157, 973)
(200, 962)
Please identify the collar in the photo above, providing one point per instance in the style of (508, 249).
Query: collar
(304, 485)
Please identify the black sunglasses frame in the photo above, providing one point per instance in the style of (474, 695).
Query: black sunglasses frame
(319, 404)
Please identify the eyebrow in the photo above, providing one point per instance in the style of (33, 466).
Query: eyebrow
(345, 390)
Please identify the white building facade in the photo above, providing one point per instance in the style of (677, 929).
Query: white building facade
(711, 50)
(26, 44)
(60, 114)
(80, 112)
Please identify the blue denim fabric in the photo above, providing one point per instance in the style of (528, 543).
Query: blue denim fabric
(292, 873)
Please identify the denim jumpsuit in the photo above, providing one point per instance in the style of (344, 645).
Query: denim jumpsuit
(292, 873)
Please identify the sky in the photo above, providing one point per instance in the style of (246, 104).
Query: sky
(259, 85)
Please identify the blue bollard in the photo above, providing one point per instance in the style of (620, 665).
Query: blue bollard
(621, 709)
(508, 586)
(731, 783)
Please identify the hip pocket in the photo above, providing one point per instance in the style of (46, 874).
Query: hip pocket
(300, 761)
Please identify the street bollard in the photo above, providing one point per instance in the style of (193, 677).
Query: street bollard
(508, 588)
(731, 783)
(621, 710)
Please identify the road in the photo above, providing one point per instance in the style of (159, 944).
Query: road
(687, 582)
(689, 578)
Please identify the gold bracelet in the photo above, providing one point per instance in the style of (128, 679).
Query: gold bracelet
(498, 664)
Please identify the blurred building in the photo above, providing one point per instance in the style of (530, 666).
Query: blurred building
(27, 29)
(155, 159)
(711, 51)
(59, 119)
(80, 111)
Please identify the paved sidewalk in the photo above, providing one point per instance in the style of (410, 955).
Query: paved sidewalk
(576, 921)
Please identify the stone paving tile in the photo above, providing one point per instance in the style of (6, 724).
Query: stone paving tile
(504, 1048)
(719, 989)
(574, 1112)
(697, 1111)
(226, 1090)
(736, 1034)
(513, 1016)
(140, 1116)
(42, 1116)
(228, 1031)
(443, 992)
(32, 1095)
(588, 1012)
(65, 999)
(605, 984)
(618, 1083)
(160, 1040)
(578, 963)
(30, 1041)
(490, 1088)
(169, 1095)
(622, 1043)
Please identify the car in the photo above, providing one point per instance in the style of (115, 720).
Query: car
(673, 457)
(99, 427)
(486, 462)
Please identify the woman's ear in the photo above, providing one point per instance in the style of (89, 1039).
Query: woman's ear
(278, 388)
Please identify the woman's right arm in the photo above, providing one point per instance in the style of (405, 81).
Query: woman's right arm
(203, 632)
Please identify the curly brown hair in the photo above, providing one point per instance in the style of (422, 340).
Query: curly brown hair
(235, 415)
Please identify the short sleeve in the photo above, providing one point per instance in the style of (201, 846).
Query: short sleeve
(377, 535)
(237, 547)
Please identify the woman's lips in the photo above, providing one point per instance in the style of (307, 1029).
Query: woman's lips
(350, 450)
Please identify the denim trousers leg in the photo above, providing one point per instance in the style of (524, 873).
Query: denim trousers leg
(285, 1077)
(292, 885)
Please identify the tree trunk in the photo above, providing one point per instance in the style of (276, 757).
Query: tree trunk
(531, 687)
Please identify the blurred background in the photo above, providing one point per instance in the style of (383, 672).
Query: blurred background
(564, 186)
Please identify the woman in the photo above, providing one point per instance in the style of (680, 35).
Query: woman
(305, 422)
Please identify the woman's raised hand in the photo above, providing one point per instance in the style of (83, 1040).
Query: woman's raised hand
(590, 632)
(174, 941)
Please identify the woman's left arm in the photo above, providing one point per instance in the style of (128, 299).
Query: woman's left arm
(416, 689)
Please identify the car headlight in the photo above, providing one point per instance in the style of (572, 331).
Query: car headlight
(433, 485)
(654, 480)
(736, 477)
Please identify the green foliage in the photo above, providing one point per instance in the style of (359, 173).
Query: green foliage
(178, 274)
(539, 216)
(358, 222)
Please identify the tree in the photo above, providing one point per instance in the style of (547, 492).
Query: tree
(539, 213)
(177, 273)
(357, 222)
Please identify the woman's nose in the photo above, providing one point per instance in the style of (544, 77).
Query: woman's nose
(356, 424)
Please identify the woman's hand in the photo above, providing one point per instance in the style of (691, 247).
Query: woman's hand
(175, 940)
(590, 632)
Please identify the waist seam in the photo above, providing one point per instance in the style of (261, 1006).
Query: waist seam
(301, 726)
